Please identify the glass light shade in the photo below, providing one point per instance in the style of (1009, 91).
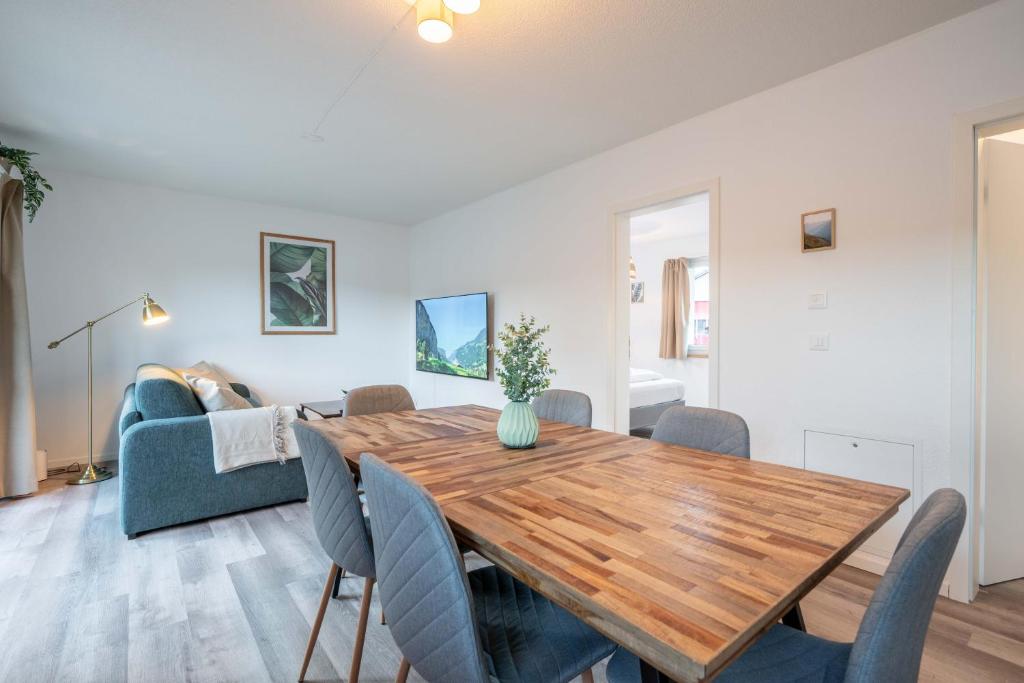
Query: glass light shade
(434, 21)
(462, 6)
(152, 313)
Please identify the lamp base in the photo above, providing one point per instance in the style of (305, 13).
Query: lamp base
(90, 475)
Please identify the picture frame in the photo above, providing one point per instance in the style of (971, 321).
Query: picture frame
(818, 230)
(297, 285)
(636, 292)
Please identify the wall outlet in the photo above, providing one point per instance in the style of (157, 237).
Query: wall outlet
(819, 342)
(817, 300)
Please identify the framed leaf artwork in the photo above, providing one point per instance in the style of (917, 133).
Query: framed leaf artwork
(296, 284)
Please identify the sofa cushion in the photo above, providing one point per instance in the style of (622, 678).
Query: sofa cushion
(160, 393)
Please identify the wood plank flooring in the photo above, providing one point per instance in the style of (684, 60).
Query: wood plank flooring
(232, 599)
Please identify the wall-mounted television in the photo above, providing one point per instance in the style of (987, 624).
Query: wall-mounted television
(452, 334)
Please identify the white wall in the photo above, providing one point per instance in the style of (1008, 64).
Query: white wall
(871, 136)
(97, 244)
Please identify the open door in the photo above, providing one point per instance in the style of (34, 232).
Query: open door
(1001, 238)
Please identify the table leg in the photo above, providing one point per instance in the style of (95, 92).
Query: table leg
(794, 618)
(648, 674)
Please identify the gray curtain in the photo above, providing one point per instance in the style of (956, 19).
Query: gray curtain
(17, 399)
(675, 308)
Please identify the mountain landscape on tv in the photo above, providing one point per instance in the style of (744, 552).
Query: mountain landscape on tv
(467, 355)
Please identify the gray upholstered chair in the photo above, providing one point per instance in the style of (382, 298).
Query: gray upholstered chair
(340, 527)
(891, 636)
(480, 627)
(378, 398)
(704, 429)
(561, 405)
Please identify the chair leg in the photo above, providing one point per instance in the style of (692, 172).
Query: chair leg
(326, 598)
(587, 676)
(337, 583)
(403, 671)
(794, 618)
(364, 616)
(383, 621)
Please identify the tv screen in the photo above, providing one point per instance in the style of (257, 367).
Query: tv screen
(452, 335)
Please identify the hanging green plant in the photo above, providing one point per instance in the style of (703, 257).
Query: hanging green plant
(34, 183)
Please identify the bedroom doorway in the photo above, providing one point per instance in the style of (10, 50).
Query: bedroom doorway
(667, 341)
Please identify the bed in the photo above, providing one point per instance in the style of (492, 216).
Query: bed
(651, 394)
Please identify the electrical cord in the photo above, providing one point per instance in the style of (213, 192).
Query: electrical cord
(315, 133)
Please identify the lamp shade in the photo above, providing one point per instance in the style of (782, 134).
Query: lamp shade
(462, 6)
(434, 21)
(152, 313)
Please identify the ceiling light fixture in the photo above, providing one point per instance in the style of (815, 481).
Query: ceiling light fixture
(462, 6)
(434, 21)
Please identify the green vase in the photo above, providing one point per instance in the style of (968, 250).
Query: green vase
(517, 426)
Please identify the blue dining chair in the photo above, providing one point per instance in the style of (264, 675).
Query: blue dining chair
(480, 627)
(890, 640)
(704, 429)
(562, 405)
(341, 528)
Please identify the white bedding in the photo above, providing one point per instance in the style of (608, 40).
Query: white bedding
(652, 391)
(642, 375)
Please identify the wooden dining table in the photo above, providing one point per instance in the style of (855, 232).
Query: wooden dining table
(681, 556)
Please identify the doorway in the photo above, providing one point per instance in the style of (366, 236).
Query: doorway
(1000, 361)
(666, 308)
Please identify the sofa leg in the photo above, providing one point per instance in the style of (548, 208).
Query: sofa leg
(132, 537)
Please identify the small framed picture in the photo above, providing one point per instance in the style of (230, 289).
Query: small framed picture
(818, 230)
(636, 292)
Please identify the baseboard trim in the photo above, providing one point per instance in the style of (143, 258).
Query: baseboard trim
(877, 564)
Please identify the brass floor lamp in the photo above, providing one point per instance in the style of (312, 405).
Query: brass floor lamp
(152, 314)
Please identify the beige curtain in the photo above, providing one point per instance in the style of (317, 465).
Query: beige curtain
(675, 308)
(17, 399)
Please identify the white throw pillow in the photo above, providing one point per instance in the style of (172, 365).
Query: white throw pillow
(213, 396)
(640, 375)
(204, 369)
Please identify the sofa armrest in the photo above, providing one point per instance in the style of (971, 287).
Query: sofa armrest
(130, 414)
(165, 443)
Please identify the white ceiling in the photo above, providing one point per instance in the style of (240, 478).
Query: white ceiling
(679, 220)
(215, 95)
(1015, 136)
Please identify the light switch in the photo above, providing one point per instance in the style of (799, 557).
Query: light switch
(819, 342)
(818, 299)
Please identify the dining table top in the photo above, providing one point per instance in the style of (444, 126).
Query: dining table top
(682, 556)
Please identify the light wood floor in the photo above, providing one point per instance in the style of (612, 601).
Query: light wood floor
(232, 599)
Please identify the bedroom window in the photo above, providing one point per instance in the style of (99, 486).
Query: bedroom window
(698, 329)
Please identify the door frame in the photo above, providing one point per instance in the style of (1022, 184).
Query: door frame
(966, 402)
(619, 221)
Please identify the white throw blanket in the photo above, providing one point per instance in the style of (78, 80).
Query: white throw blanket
(252, 436)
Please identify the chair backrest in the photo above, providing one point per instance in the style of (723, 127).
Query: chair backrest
(561, 405)
(379, 398)
(160, 393)
(705, 429)
(423, 586)
(333, 499)
(891, 636)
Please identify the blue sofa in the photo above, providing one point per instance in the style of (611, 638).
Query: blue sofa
(166, 460)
